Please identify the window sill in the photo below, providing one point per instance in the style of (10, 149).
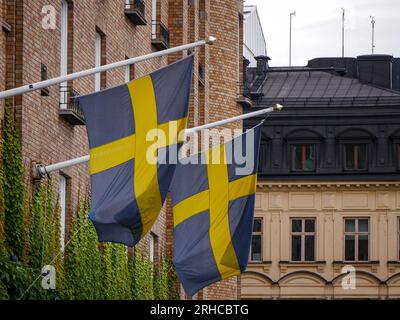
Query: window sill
(371, 266)
(318, 265)
(355, 263)
(301, 262)
(394, 266)
(264, 265)
(259, 262)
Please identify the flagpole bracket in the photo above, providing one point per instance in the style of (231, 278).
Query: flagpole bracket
(211, 40)
(278, 107)
(39, 171)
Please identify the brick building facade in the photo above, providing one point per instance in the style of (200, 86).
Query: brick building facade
(93, 32)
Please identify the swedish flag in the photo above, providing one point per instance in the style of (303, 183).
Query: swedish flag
(128, 189)
(213, 207)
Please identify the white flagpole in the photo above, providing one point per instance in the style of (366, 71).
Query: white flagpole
(44, 170)
(43, 84)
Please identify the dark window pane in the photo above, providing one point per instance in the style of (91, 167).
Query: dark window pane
(303, 157)
(310, 225)
(296, 226)
(355, 156)
(297, 158)
(362, 157)
(398, 157)
(349, 248)
(349, 154)
(363, 225)
(310, 248)
(363, 248)
(350, 225)
(296, 248)
(257, 225)
(256, 248)
(310, 158)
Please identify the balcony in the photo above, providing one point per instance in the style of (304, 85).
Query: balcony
(69, 109)
(159, 35)
(135, 11)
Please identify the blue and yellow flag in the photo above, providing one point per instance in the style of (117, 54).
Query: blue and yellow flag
(213, 207)
(128, 188)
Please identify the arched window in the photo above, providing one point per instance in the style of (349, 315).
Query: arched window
(355, 147)
(303, 146)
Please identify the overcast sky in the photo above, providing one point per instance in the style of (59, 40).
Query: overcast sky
(317, 28)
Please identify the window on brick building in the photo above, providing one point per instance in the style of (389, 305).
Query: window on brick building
(63, 52)
(355, 156)
(129, 71)
(256, 240)
(153, 247)
(303, 239)
(356, 239)
(303, 157)
(153, 19)
(97, 81)
(62, 187)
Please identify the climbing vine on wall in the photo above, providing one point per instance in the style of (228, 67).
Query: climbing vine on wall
(13, 177)
(30, 239)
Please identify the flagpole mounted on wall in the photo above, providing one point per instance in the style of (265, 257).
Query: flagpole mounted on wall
(50, 82)
(43, 170)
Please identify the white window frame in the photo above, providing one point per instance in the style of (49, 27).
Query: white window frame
(153, 19)
(262, 239)
(127, 73)
(62, 189)
(97, 79)
(152, 242)
(63, 52)
(303, 235)
(356, 234)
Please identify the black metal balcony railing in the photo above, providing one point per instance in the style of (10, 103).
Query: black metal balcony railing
(159, 35)
(135, 11)
(70, 109)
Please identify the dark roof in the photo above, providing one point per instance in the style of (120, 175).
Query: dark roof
(350, 64)
(396, 73)
(304, 87)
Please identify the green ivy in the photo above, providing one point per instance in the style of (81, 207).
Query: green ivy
(1, 201)
(13, 177)
(161, 285)
(142, 277)
(30, 239)
(36, 228)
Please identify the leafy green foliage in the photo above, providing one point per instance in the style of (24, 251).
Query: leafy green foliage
(142, 277)
(1, 201)
(13, 176)
(30, 239)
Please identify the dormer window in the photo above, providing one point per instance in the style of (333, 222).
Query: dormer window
(303, 157)
(355, 156)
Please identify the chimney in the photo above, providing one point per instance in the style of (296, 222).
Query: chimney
(262, 64)
(376, 69)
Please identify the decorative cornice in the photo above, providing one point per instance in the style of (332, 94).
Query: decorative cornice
(331, 185)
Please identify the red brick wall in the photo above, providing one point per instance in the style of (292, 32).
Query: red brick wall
(215, 100)
(46, 138)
